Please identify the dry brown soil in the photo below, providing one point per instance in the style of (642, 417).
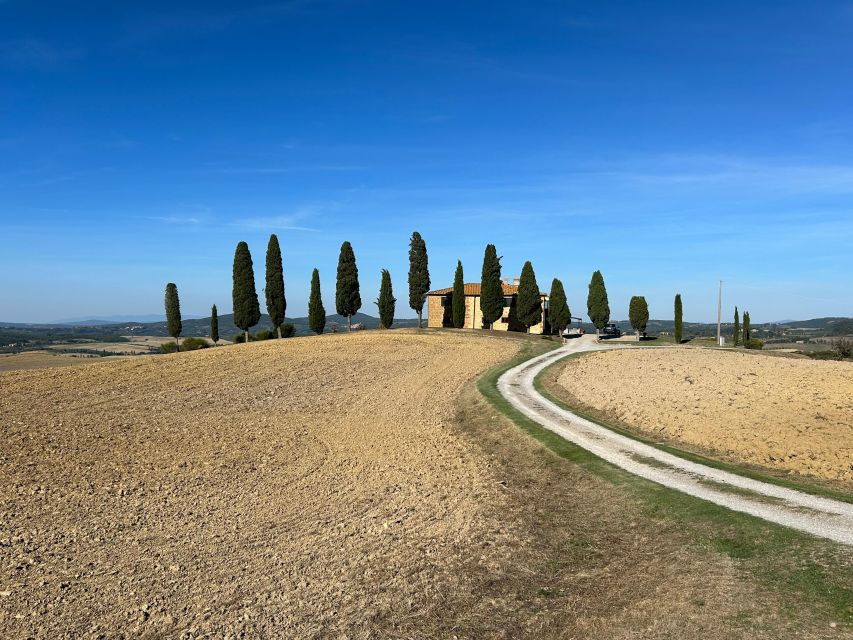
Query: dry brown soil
(41, 360)
(307, 486)
(785, 414)
(135, 344)
(349, 486)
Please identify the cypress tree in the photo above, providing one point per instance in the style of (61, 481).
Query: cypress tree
(173, 313)
(559, 314)
(386, 301)
(491, 289)
(276, 302)
(736, 329)
(347, 295)
(316, 311)
(458, 299)
(529, 303)
(418, 274)
(746, 328)
(638, 314)
(597, 305)
(678, 318)
(247, 311)
(214, 325)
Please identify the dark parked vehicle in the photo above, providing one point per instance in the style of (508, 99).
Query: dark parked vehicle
(611, 331)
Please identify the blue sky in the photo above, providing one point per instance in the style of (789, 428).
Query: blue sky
(668, 144)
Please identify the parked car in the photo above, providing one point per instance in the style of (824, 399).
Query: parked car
(611, 331)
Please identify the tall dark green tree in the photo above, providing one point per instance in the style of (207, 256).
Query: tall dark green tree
(638, 314)
(559, 314)
(597, 305)
(247, 311)
(173, 313)
(386, 301)
(491, 289)
(529, 302)
(746, 328)
(418, 274)
(214, 325)
(679, 319)
(736, 329)
(347, 294)
(458, 298)
(316, 310)
(276, 302)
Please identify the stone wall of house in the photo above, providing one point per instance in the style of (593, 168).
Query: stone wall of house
(438, 316)
(435, 312)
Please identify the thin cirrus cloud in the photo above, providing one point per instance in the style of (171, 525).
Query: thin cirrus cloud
(285, 223)
(174, 219)
(33, 53)
(292, 169)
(736, 173)
(183, 23)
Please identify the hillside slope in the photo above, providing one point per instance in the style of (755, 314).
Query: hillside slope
(227, 328)
(273, 488)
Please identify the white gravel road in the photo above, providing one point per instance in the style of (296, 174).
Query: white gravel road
(815, 515)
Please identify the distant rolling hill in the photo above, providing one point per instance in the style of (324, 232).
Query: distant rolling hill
(99, 330)
(94, 321)
(832, 325)
(227, 328)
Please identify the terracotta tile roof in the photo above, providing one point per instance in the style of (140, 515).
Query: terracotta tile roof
(473, 289)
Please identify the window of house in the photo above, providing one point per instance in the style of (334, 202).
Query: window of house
(445, 300)
(507, 301)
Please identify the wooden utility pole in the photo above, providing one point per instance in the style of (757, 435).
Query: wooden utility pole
(719, 312)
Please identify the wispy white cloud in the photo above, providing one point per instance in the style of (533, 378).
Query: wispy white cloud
(182, 23)
(174, 219)
(282, 222)
(70, 176)
(292, 169)
(33, 53)
(729, 172)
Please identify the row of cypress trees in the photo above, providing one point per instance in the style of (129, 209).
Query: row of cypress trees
(736, 329)
(174, 327)
(528, 302)
(247, 312)
(348, 301)
(598, 309)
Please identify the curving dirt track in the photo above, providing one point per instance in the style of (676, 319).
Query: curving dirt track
(301, 488)
(819, 516)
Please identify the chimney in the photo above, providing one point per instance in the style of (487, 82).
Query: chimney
(515, 281)
(506, 280)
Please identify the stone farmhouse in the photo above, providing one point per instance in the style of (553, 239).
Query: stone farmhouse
(440, 303)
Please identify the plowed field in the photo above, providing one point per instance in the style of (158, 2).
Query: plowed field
(296, 488)
(786, 414)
